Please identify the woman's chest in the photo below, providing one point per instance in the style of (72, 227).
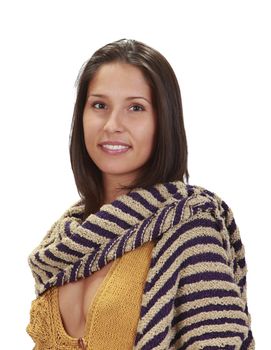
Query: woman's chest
(75, 300)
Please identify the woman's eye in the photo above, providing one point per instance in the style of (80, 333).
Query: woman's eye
(137, 108)
(98, 105)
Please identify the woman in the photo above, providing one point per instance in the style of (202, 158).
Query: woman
(143, 260)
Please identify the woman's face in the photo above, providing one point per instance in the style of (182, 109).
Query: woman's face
(119, 111)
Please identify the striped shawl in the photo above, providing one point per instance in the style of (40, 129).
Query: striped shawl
(195, 292)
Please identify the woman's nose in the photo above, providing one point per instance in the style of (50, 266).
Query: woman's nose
(114, 122)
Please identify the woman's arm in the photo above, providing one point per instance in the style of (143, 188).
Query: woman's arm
(211, 301)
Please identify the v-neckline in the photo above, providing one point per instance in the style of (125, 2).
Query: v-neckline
(57, 313)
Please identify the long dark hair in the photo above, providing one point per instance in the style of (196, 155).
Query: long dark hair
(169, 159)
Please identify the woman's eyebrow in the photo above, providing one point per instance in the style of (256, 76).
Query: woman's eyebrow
(134, 97)
(128, 98)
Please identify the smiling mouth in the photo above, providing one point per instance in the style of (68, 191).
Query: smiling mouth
(114, 150)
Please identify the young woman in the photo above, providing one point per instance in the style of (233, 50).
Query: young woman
(143, 260)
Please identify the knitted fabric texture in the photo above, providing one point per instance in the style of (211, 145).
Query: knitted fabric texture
(114, 311)
(195, 291)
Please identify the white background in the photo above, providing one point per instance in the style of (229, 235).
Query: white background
(220, 51)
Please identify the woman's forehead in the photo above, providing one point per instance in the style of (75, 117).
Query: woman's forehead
(119, 76)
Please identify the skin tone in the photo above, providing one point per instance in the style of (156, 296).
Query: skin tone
(119, 108)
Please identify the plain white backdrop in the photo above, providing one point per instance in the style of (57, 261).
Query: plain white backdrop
(220, 51)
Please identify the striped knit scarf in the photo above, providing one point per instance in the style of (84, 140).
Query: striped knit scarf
(170, 214)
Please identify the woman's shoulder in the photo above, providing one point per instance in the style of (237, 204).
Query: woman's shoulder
(203, 208)
(195, 199)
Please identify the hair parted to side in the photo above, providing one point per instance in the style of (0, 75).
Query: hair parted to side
(169, 159)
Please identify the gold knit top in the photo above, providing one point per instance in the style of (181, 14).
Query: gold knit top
(112, 317)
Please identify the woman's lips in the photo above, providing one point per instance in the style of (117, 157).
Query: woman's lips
(114, 151)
